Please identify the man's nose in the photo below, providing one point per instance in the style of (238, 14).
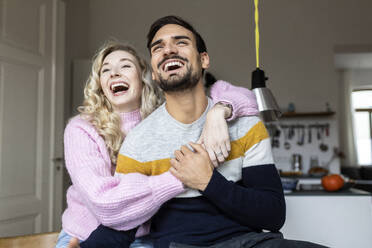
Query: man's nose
(170, 49)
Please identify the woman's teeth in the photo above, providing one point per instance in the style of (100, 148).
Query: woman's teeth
(118, 87)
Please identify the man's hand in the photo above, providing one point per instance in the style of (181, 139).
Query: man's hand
(215, 135)
(192, 168)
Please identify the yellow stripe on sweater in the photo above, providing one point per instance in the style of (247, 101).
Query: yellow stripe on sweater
(238, 147)
(257, 133)
(127, 165)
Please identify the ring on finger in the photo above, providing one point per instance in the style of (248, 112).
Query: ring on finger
(219, 154)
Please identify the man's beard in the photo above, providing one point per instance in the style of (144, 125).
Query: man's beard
(179, 84)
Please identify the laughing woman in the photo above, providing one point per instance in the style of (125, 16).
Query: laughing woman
(117, 96)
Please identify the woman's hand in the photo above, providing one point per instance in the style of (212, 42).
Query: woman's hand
(74, 243)
(215, 135)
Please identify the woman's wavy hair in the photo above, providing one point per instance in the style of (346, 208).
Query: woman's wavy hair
(97, 109)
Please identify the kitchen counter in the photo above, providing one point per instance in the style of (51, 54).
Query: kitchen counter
(339, 219)
(346, 192)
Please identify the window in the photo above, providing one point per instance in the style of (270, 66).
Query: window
(362, 106)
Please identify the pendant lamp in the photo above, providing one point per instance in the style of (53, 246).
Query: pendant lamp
(266, 102)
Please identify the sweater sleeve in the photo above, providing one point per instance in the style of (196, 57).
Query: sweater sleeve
(120, 203)
(258, 201)
(241, 99)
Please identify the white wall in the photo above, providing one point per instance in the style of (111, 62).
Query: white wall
(361, 78)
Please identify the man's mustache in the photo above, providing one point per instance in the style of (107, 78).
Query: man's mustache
(172, 57)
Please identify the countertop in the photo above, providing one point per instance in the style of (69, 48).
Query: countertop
(345, 192)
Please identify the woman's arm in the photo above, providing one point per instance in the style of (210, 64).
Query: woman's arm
(242, 100)
(117, 203)
(231, 102)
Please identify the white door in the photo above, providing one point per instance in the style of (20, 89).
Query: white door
(31, 115)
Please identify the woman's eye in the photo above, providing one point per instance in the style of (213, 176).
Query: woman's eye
(182, 43)
(126, 66)
(104, 70)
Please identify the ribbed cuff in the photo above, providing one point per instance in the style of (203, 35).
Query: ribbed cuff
(215, 186)
(242, 100)
(165, 187)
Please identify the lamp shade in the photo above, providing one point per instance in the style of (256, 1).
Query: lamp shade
(267, 105)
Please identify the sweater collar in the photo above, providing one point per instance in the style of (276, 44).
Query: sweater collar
(134, 115)
(197, 123)
(130, 120)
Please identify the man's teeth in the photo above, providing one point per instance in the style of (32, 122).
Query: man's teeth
(175, 64)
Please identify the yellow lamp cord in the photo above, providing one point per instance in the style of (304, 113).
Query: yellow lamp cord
(257, 32)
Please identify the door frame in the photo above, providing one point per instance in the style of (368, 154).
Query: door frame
(57, 117)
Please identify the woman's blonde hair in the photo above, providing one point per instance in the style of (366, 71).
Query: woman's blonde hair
(98, 110)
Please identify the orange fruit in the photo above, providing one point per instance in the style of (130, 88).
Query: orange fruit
(332, 182)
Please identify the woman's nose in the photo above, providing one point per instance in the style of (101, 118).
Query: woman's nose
(115, 72)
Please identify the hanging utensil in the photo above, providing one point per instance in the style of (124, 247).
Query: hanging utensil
(291, 132)
(275, 141)
(323, 147)
(318, 132)
(327, 130)
(301, 135)
(287, 145)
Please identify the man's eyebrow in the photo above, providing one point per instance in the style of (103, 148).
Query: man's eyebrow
(155, 43)
(180, 37)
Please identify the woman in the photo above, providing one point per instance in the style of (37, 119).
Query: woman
(118, 95)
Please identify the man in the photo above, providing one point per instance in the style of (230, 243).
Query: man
(224, 207)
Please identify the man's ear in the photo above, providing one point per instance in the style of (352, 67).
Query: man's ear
(204, 58)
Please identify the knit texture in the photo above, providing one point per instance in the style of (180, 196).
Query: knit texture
(242, 100)
(96, 197)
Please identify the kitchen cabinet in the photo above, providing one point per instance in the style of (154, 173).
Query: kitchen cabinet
(341, 219)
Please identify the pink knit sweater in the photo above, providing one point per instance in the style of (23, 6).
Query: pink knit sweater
(96, 197)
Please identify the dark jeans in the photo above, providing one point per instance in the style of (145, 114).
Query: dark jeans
(105, 237)
(256, 240)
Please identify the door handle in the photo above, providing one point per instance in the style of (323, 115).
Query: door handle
(58, 162)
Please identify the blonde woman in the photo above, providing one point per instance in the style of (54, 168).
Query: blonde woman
(117, 96)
